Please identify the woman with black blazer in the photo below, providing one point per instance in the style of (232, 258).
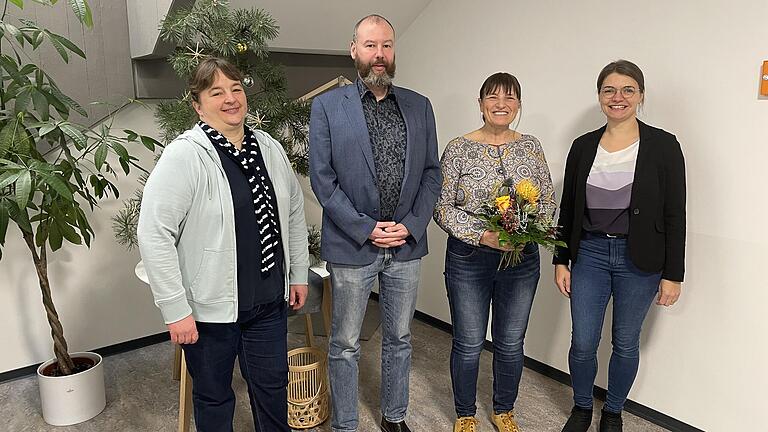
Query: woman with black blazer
(622, 215)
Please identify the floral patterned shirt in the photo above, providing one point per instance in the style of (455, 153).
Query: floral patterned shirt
(472, 171)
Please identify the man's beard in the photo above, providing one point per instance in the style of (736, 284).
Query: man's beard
(373, 79)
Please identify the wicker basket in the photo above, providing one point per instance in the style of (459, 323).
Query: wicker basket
(308, 404)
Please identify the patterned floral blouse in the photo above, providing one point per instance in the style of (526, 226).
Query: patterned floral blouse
(471, 172)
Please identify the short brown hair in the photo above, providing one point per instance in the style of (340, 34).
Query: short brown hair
(622, 67)
(500, 81)
(205, 73)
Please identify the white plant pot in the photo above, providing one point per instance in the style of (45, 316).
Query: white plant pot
(72, 399)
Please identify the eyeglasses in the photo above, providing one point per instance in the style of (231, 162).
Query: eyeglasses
(627, 92)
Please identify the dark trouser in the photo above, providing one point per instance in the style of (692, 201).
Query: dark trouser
(474, 284)
(259, 342)
(603, 269)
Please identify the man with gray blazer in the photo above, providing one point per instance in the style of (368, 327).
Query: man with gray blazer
(375, 170)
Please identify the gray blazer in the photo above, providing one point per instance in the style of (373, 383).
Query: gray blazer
(343, 175)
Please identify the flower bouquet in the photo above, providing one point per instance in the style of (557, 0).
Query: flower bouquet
(516, 215)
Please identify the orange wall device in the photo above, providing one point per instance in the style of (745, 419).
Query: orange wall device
(764, 80)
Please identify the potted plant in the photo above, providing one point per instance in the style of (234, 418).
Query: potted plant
(49, 166)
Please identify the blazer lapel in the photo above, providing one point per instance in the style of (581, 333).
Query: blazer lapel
(410, 129)
(644, 147)
(359, 128)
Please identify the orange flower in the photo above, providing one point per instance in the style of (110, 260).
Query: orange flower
(503, 203)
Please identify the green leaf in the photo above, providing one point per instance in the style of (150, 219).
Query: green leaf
(82, 11)
(23, 189)
(13, 137)
(68, 101)
(8, 177)
(41, 104)
(131, 135)
(67, 43)
(77, 136)
(150, 142)
(59, 47)
(54, 237)
(4, 218)
(46, 128)
(85, 227)
(13, 31)
(58, 185)
(120, 150)
(22, 99)
(19, 3)
(42, 230)
(20, 216)
(100, 156)
(68, 232)
(28, 69)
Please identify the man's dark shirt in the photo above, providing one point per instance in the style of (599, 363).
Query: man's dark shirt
(386, 128)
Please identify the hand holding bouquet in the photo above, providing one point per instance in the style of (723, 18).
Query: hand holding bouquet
(516, 216)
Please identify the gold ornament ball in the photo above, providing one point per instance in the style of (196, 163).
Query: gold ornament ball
(241, 48)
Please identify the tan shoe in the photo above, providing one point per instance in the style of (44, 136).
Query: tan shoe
(505, 422)
(465, 424)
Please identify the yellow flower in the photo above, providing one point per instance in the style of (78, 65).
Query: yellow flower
(526, 190)
(503, 203)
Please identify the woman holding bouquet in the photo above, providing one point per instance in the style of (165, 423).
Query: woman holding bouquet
(623, 218)
(474, 165)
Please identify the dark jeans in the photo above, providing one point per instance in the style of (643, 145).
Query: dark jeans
(259, 342)
(474, 283)
(604, 269)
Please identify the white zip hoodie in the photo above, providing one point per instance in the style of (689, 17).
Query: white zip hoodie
(186, 229)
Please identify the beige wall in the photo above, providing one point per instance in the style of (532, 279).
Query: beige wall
(100, 301)
(702, 360)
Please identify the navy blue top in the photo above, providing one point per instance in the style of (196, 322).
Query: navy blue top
(252, 289)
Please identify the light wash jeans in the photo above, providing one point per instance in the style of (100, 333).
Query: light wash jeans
(398, 283)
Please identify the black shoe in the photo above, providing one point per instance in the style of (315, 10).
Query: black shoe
(610, 422)
(579, 420)
(387, 426)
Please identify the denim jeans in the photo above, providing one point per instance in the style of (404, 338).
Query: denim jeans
(398, 282)
(474, 283)
(603, 269)
(259, 341)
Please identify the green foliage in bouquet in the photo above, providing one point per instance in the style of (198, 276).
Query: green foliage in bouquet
(515, 213)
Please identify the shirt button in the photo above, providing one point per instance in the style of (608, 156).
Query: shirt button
(636, 211)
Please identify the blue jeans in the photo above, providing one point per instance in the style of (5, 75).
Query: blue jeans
(474, 283)
(398, 282)
(603, 269)
(259, 342)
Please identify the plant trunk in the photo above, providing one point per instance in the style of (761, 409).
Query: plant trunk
(57, 331)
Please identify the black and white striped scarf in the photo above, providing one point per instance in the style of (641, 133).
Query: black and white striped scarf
(251, 162)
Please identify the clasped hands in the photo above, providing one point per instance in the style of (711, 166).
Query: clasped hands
(388, 234)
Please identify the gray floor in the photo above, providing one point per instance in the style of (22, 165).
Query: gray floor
(142, 397)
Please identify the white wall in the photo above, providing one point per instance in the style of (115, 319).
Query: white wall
(702, 360)
(100, 301)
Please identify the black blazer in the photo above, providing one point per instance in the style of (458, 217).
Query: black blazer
(656, 237)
